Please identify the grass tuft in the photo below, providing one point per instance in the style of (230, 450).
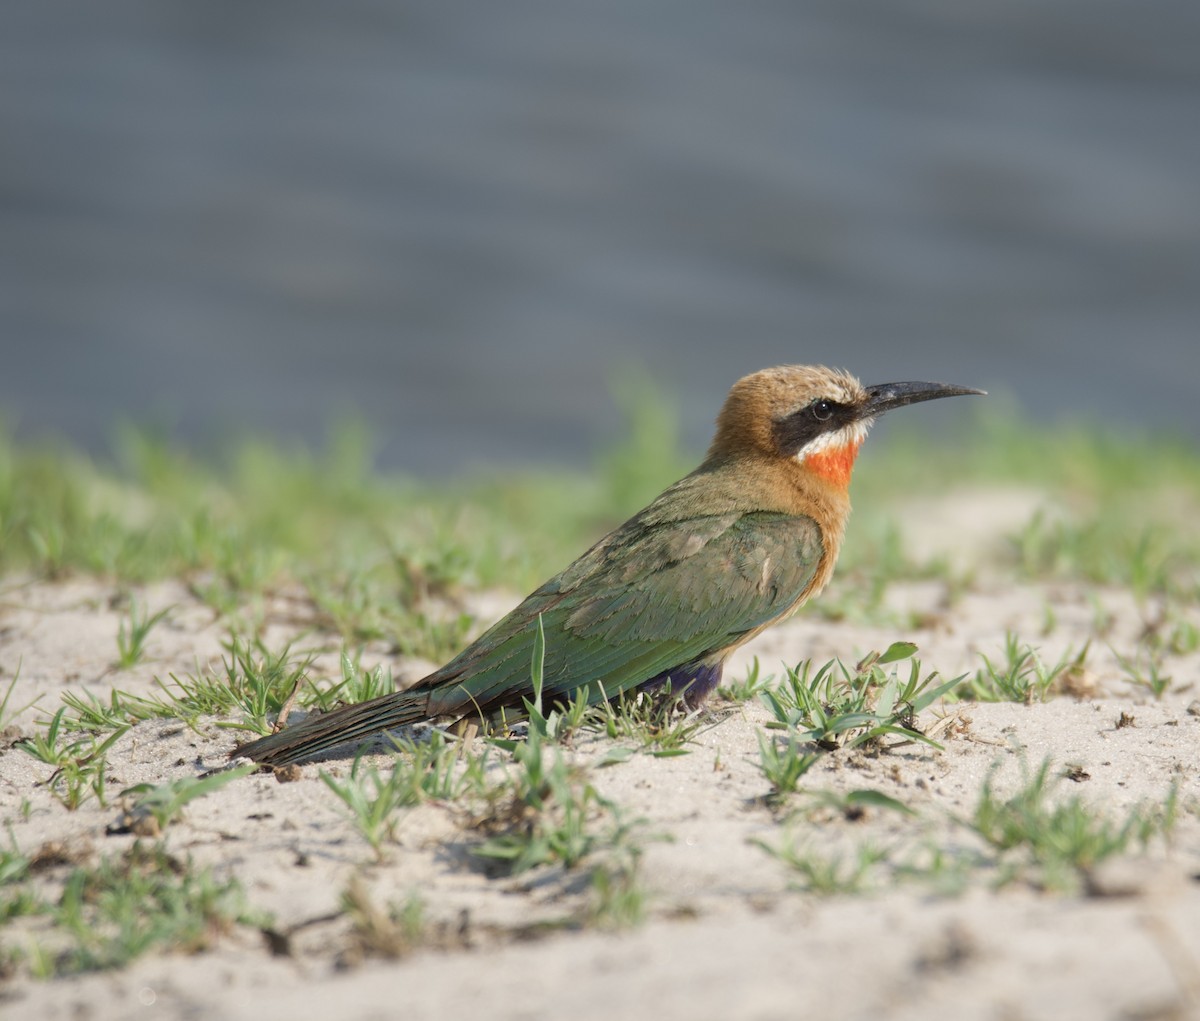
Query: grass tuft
(1055, 843)
(119, 909)
(1022, 676)
(421, 771)
(832, 707)
(133, 631)
(80, 766)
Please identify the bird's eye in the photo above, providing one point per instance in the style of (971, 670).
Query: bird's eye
(822, 410)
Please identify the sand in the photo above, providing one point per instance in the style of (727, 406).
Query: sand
(730, 931)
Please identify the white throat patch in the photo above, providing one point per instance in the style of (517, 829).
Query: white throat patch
(856, 432)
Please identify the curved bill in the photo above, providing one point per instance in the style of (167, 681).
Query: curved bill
(887, 396)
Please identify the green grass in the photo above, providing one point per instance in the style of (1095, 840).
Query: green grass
(1034, 837)
(356, 685)
(373, 798)
(657, 724)
(253, 681)
(133, 632)
(106, 915)
(380, 556)
(823, 709)
(422, 770)
(164, 802)
(1021, 676)
(784, 763)
(7, 713)
(80, 765)
(383, 556)
(549, 813)
(1054, 842)
(534, 807)
(746, 688)
(390, 932)
(1116, 506)
(1144, 669)
(827, 873)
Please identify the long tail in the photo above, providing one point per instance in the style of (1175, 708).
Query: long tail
(342, 726)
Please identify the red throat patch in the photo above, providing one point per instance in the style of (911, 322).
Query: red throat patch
(835, 464)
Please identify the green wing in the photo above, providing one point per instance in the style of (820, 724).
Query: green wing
(650, 597)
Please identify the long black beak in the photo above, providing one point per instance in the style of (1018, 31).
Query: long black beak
(888, 396)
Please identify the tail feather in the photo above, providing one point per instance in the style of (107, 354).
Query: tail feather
(342, 726)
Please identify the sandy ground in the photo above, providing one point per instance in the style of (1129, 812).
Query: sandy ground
(729, 932)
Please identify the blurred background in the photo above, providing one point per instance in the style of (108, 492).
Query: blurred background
(459, 222)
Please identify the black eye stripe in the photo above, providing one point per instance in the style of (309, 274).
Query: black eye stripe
(804, 425)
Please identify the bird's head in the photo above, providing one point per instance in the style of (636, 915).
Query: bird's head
(810, 415)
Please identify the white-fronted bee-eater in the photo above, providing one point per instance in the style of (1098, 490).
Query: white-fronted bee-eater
(722, 554)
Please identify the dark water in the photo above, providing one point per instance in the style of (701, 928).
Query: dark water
(455, 219)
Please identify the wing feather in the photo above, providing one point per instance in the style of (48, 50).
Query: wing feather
(636, 606)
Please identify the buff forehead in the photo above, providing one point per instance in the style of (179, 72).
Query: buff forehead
(788, 387)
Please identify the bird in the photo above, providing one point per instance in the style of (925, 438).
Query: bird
(663, 600)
